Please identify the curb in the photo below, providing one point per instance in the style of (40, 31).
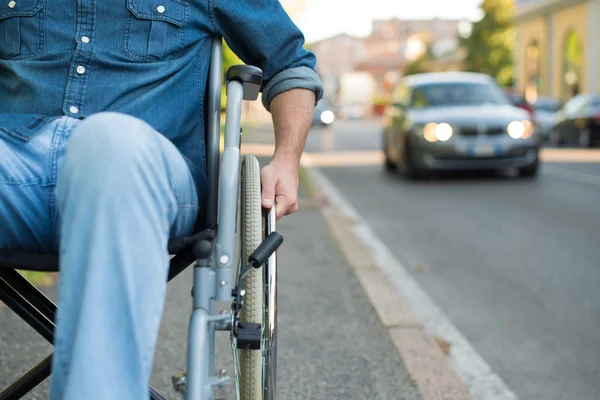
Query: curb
(421, 354)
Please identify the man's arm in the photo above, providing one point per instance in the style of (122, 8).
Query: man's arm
(292, 113)
(262, 34)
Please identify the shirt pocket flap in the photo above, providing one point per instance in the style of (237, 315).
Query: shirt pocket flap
(22, 126)
(173, 11)
(20, 8)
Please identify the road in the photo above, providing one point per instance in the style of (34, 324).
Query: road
(514, 264)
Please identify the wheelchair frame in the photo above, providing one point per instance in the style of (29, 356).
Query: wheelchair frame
(211, 250)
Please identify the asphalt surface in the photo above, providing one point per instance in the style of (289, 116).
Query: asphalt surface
(331, 344)
(515, 264)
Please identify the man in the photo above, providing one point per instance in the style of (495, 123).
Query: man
(102, 157)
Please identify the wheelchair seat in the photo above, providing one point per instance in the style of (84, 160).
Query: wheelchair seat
(16, 259)
(45, 262)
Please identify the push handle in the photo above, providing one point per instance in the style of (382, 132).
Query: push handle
(251, 78)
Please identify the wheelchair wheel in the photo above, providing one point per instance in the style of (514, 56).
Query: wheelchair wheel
(253, 363)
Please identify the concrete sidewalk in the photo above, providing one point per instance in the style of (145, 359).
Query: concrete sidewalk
(422, 355)
(344, 332)
(331, 342)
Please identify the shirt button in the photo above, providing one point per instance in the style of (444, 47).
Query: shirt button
(80, 70)
(85, 39)
(73, 110)
(12, 4)
(160, 9)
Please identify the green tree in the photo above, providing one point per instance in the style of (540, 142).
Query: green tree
(490, 44)
(229, 59)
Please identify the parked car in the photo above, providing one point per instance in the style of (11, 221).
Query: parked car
(578, 122)
(449, 121)
(545, 114)
(324, 113)
(520, 101)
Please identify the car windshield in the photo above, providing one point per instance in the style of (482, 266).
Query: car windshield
(516, 98)
(577, 103)
(595, 101)
(457, 94)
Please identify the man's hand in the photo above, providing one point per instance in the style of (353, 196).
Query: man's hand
(280, 186)
(292, 113)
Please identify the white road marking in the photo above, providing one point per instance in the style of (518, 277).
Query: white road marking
(483, 383)
(571, 175)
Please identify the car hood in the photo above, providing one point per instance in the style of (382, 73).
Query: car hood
(545, 117)
(459, 115)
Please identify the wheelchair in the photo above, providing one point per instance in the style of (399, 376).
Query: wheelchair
(234, 195)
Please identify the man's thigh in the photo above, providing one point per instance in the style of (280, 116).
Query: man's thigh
(29, 169)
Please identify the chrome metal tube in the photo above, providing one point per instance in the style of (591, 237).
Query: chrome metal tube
(269, 339)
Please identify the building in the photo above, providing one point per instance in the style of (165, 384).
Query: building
(557, 47)
(448, 61)
(336, 56)
(394, 43)
(385, 53)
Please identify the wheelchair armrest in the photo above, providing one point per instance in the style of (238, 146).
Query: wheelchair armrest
(251, 78)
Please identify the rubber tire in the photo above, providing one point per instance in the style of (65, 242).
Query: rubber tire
(554, 139)
(251, 231)
(388, 165)
(588, 142)
(410, 172)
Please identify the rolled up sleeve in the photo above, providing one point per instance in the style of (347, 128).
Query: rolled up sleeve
(262, 34)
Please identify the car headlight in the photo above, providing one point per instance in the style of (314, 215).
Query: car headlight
(327, 117)
(520, 129)
(433, 132)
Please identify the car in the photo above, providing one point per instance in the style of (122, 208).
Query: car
(353, 111)
(578, 122)
(453, 121)
(324, 113)
(520, 101)
(545, 114)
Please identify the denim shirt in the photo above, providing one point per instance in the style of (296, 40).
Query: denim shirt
(146, 58)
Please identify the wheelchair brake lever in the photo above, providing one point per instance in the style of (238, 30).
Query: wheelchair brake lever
(258, 257)
(262, 253)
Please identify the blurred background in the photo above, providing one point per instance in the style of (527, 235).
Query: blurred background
(541, 52)
(495, 103)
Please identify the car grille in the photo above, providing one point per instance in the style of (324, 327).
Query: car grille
(496, 131)
(468, 132)
(488, 131)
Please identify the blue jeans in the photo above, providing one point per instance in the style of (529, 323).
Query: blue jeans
(107, 193)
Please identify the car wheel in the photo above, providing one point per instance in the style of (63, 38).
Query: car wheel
(411, 171)
(555, 139)
(585, 138)
(388, 165)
